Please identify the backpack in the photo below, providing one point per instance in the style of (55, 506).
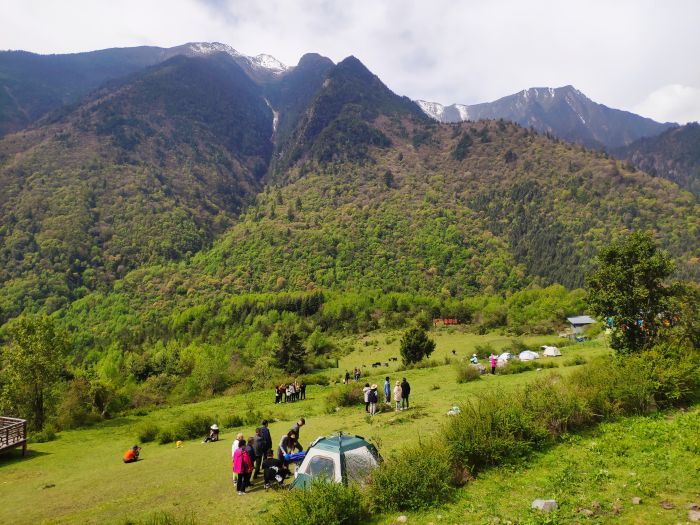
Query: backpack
(373, 396)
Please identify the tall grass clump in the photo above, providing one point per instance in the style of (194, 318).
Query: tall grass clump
(163, 518)
(518, 367)
(345, 396)
(324, 503)
(420, 477)
(147, 432)
(466, 372)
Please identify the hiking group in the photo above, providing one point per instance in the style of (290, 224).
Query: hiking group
(292, 392)
(401, 392)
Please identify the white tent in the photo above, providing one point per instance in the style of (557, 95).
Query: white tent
(550, 351)
(528, 355)
(504, 358)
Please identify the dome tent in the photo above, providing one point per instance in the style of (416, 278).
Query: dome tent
(528, 355)
(340, 458)
(550, 351)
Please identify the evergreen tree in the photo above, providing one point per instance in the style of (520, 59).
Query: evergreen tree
(415, 345)
(290, 352)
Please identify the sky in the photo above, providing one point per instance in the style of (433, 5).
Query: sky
(637, 55)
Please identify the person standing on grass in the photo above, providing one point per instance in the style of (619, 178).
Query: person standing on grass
(296, 428)
(387, 391)
(373, 400)
(397, 395)
(347, 377)
(250, 450)
(302, 390)
(278, 396)
(405, 391)
(493, 361)
(242, 467)
(365, 391)
(265, 432)
(260, 450)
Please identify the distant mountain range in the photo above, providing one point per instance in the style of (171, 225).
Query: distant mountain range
(198, 169)
(564, 112)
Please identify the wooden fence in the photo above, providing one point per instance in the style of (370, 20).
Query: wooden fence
(13, 433)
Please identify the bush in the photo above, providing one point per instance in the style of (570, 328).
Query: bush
(491, 430)
(484, 351)
(575, 361)
(466, 372)
(46, 435)
(345, 396)
(518, 367)
(324, 503)
(232, 421)
(418, 478)
(425, 363)
(415, 345)
(166, 435)
(193, 426)
(163, 518)
(148, 432)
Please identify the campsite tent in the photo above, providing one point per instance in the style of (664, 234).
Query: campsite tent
(528, 355)
(340, 458)
(550, 351)
(504, 358)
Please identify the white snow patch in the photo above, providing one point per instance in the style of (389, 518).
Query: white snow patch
(463, 111)
(432, 109)
(208, 48)
(268, 62)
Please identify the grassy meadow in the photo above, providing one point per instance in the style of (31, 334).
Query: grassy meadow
(79, 478)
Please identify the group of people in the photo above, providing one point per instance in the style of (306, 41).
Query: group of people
(401, 391)
(255, 454)
(291, 392)
(356, 373)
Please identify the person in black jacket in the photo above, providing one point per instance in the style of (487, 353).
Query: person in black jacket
(250, 449)
(274, 469)
(265, 432)
(259, 447)
(405, 391)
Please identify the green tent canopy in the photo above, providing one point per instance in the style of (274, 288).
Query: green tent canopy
(341, 459)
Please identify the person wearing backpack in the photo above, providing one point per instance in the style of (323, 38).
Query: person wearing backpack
(242, 467)
(373, 399)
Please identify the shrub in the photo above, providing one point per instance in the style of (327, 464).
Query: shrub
(425, 363)
(232, 421)
(193, 426)
(166, 435)
(324, 503)
(148, 432)
(418, 478)
(163, 518)
(46, 435)
(491, 430)
(484, 351)
(574, 361)
(345, 396)
(466, 372)
(518, 367)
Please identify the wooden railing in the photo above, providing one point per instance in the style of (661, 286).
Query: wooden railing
(13, 433)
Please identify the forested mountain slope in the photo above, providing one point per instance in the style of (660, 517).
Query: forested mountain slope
(673, 155)
(148, 169)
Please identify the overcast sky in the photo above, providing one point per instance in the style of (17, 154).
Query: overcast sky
(637, 55)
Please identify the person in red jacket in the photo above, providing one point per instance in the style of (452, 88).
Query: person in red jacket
(493, 361)
(243, 466)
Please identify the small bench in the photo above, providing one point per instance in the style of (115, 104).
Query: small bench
(13, 433)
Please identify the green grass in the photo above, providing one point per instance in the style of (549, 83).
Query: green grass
(656, 458)
(79, 478)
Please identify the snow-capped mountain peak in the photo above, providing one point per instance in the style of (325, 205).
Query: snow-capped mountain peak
(432, 109)
(262, 61)
(268, 62)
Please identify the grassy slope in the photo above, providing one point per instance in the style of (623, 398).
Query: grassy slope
(91, 485)
(655, 458)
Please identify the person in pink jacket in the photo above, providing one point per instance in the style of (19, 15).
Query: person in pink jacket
(493, 360)
(243, 466)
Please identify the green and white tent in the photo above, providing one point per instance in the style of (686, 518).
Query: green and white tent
(341, 458)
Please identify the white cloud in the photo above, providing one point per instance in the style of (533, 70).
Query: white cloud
(671, 103)
(467, 51)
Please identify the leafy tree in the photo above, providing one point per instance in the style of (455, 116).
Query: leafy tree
(32, 365)
(415, 345)
(628, 287)
(290, 352)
